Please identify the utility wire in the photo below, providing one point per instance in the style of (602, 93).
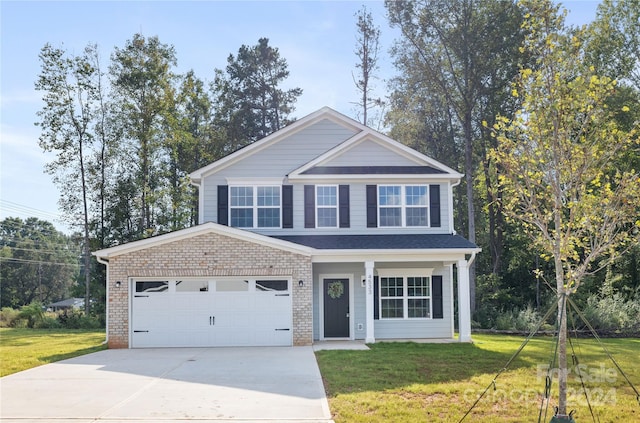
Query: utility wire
(17, 260)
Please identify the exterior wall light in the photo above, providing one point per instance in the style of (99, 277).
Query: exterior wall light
(300, 282)
(118, 283)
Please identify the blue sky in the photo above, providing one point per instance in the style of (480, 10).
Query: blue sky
(317, 38)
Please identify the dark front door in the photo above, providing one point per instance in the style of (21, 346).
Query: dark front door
(336, 308)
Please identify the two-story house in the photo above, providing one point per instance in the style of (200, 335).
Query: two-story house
(323, 230)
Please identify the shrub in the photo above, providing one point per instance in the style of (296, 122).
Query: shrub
(8, 317)
(613, 313)
(524, 320)
(32, 314)
(76, 319)
(49, 321)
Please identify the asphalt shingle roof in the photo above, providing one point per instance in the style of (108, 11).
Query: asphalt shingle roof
(380, 242)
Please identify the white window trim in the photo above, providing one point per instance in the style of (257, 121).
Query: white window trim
(405, 274)
(403, 205)
(255, 206)
(336, 207)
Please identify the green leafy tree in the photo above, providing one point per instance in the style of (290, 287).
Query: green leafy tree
(559, 162)
(141, 79)
(251, 102)
(192, 142)
(70, 95)
(613, 45)
(38, 263)
(455, 68)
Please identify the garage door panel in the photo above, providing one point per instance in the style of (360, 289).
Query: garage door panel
(195, 313)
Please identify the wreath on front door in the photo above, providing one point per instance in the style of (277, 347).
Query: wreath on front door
(335, 290)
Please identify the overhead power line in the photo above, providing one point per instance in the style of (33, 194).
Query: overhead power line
(48, 263)
(21, 209)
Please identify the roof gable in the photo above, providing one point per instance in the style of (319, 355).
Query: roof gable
(392, 157)
(325, 113)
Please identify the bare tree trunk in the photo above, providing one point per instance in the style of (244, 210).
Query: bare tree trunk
(468, 165)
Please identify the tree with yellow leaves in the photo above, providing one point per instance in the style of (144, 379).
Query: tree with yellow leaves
(559, 162)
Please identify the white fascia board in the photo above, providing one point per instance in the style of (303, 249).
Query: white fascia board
(379, 179)
(298, 125)
(252, 180)
(413, 255)
(205, 228)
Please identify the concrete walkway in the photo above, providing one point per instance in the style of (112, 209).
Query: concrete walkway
(171, 385)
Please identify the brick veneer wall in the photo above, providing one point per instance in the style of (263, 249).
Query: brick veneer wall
(209, 255)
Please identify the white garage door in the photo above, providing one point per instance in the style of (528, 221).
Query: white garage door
(205, 313)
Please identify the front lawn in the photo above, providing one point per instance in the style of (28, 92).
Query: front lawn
(22, 349)
(409, 382)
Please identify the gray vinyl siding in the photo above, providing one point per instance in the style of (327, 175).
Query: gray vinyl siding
(386, 329)
(427, 328)
(276, 160)
(281, 158)
(358, 216)
(369, 153)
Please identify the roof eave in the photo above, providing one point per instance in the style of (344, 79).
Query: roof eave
(405, 254)
(203, 229)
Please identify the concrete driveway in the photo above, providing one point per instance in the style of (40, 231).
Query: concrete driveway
(171, 385)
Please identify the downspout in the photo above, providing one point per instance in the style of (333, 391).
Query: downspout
(106, 311)
(451, 223)
(197, 183)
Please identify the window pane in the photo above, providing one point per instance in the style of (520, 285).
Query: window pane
(418, 308)
(326, 196)
(192, 286)
(232, 286)
(391, 308)
(269, 196)
(389, 195)
(391, 287)
(272, 285)
(418, 287)
(152, 286)
(269, 218)
(242, 218)
(391, 216)
(416, 196)
(241, 196)
(417, 216)
(327, 218)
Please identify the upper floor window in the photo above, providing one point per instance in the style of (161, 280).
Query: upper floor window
(403, 205)
(327, 206)
(255, 206)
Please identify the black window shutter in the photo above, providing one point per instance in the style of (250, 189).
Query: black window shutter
(309, 206)
(372, 206)
(434, 205)
(436, 296)
(376, 299)
(287, 206)
(343, 210)
(223, 204)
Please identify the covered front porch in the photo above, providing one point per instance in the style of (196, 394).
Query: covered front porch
(408, 297)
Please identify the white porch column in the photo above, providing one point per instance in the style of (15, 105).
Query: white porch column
(369, 335)
(464, 303)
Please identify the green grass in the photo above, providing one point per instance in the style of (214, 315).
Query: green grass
(406, 382)
(22, 349)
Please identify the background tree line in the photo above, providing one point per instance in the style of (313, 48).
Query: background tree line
(126, 135)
